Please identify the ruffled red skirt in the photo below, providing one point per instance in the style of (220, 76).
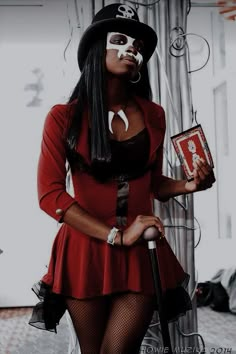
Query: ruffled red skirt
(84, 267)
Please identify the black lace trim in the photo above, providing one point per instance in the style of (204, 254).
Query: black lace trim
(48, 312)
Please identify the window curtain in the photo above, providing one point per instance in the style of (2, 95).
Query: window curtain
(171, 88)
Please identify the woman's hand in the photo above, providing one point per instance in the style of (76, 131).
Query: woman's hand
(203, 177)
(139, 225)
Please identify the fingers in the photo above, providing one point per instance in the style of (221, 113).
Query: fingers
(202, 168)
(151, 221)
(203, 174)
(159, 225)
(141, 223)
(196, 176)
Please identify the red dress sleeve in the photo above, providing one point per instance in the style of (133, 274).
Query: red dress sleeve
(51, 177)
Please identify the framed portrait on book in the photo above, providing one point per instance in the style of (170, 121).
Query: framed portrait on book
(191, 145)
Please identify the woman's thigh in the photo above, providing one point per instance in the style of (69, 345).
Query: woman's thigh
(89, 317)
(129, 318)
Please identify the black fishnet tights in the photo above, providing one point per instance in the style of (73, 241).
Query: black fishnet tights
(114, 324)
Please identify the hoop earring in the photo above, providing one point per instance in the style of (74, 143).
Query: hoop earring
(138, 79)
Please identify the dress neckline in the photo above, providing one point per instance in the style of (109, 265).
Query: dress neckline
(131, 138)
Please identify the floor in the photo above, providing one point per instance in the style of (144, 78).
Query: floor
(17, 337)
(218, 330)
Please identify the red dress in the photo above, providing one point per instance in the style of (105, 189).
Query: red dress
(82, 266)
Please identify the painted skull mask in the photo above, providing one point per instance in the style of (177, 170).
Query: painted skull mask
(122, 42)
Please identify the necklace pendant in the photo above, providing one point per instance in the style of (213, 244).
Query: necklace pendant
(122, 115)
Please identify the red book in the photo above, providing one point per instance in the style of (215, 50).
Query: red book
(190, 146)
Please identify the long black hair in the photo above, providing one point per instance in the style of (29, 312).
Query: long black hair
(90, 93)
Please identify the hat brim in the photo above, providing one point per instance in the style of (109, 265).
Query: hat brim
(133, 28)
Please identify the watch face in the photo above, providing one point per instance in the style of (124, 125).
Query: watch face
(190, 146)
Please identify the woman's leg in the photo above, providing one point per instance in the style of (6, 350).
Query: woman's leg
(129, 318)
(89, 318)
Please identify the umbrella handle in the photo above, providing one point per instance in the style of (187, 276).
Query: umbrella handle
(151, 233)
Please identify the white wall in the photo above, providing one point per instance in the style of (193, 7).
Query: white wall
(32, 44)
(215, 251)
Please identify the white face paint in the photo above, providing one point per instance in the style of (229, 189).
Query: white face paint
(122, 42)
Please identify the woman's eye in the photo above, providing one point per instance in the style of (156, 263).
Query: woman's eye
(140, 49)
(139, 46)
(118, 40)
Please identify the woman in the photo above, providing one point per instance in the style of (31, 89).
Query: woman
(112, 136)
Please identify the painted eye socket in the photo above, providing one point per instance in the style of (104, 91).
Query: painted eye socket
(118, 39)
(139, 45)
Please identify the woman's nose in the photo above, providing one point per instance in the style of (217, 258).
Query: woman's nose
(132, 49)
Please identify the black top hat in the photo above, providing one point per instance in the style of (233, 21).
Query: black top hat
(117, 18)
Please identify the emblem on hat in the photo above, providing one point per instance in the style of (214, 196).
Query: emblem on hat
(126, 12)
